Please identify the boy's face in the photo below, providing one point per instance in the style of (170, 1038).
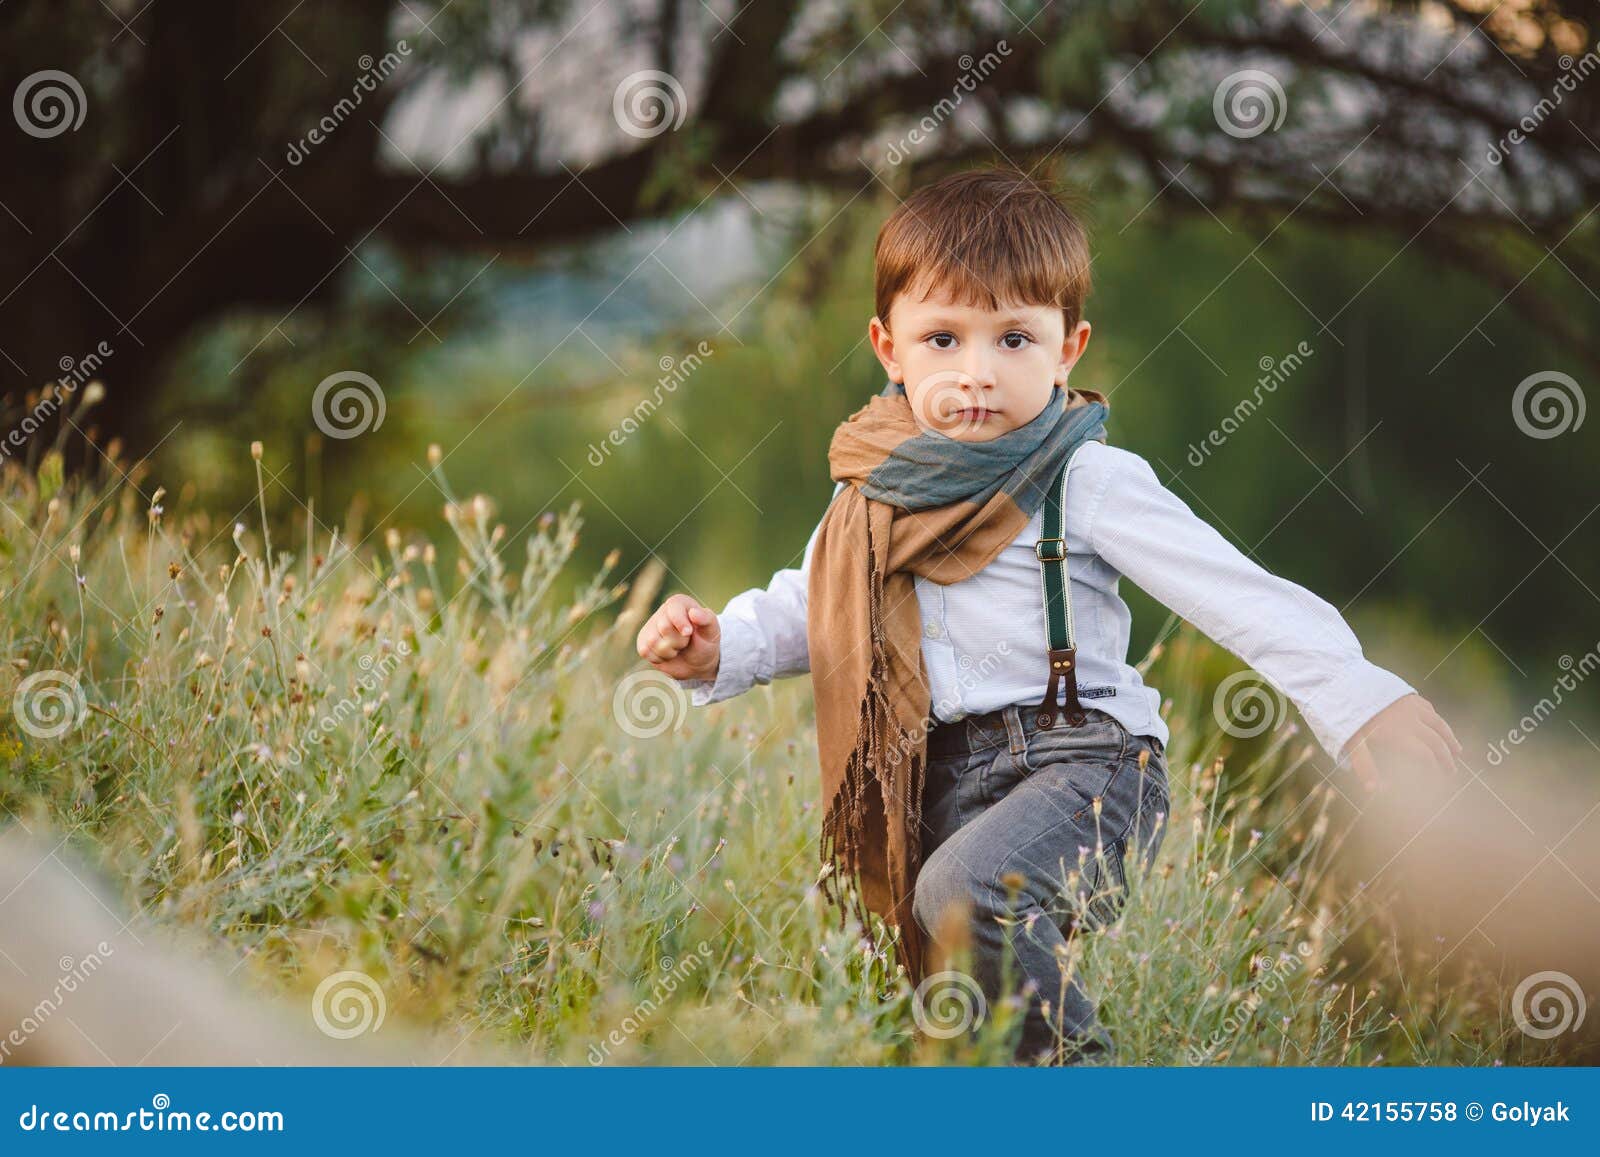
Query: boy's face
(973, 373)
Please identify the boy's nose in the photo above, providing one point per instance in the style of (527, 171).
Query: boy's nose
(980, 373)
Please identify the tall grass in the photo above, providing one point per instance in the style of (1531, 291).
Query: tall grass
(330, 755)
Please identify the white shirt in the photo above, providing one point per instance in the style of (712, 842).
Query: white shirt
(984, 638)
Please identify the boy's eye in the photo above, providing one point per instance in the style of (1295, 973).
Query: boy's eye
(935, 339)
(1022, 340)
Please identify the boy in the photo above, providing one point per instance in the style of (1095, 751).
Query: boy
(962, 775)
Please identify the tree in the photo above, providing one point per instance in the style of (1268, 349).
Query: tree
(236, 156)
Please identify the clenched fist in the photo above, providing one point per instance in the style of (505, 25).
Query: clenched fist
(682, 639)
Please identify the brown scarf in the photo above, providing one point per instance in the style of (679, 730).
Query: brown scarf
(916, 503)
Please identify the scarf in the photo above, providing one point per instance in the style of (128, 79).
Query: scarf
(917, 503)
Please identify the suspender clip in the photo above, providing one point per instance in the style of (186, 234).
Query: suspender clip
(1063, 669)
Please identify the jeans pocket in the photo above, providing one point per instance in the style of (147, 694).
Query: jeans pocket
(1084, 759)
(1151, 817)
(1109, 892)
(950, 794)
(1095, 747)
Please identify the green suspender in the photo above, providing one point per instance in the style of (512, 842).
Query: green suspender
(1051, 550)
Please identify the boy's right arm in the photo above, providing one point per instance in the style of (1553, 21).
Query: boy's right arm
(763, 634)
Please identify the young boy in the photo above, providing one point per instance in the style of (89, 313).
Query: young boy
(987, 753)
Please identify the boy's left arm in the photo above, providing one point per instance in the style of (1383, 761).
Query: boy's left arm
(1357, 710)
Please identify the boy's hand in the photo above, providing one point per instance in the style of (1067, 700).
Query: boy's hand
(682, 639)
(1407, 733)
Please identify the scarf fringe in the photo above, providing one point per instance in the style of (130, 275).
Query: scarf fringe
(887, 758)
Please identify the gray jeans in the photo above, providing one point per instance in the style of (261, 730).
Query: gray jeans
(1031, 832)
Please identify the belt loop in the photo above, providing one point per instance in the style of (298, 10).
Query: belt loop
(1014, 732)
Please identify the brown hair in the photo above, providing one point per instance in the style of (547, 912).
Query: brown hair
(990, 236)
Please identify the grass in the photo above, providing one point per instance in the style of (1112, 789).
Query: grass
(331, 756)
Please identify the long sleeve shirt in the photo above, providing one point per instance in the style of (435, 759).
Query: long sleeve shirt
(984, 638)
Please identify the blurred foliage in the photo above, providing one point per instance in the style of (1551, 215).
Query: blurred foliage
(327, 759)
(1385, 473)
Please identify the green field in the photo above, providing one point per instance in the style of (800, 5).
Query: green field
(328, 756)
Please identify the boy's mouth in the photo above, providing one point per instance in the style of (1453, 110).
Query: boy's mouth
(974, 414)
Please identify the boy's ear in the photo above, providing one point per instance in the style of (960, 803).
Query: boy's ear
(883, 347)
(1072, 348)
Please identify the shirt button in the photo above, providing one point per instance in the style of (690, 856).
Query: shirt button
(932, 631)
